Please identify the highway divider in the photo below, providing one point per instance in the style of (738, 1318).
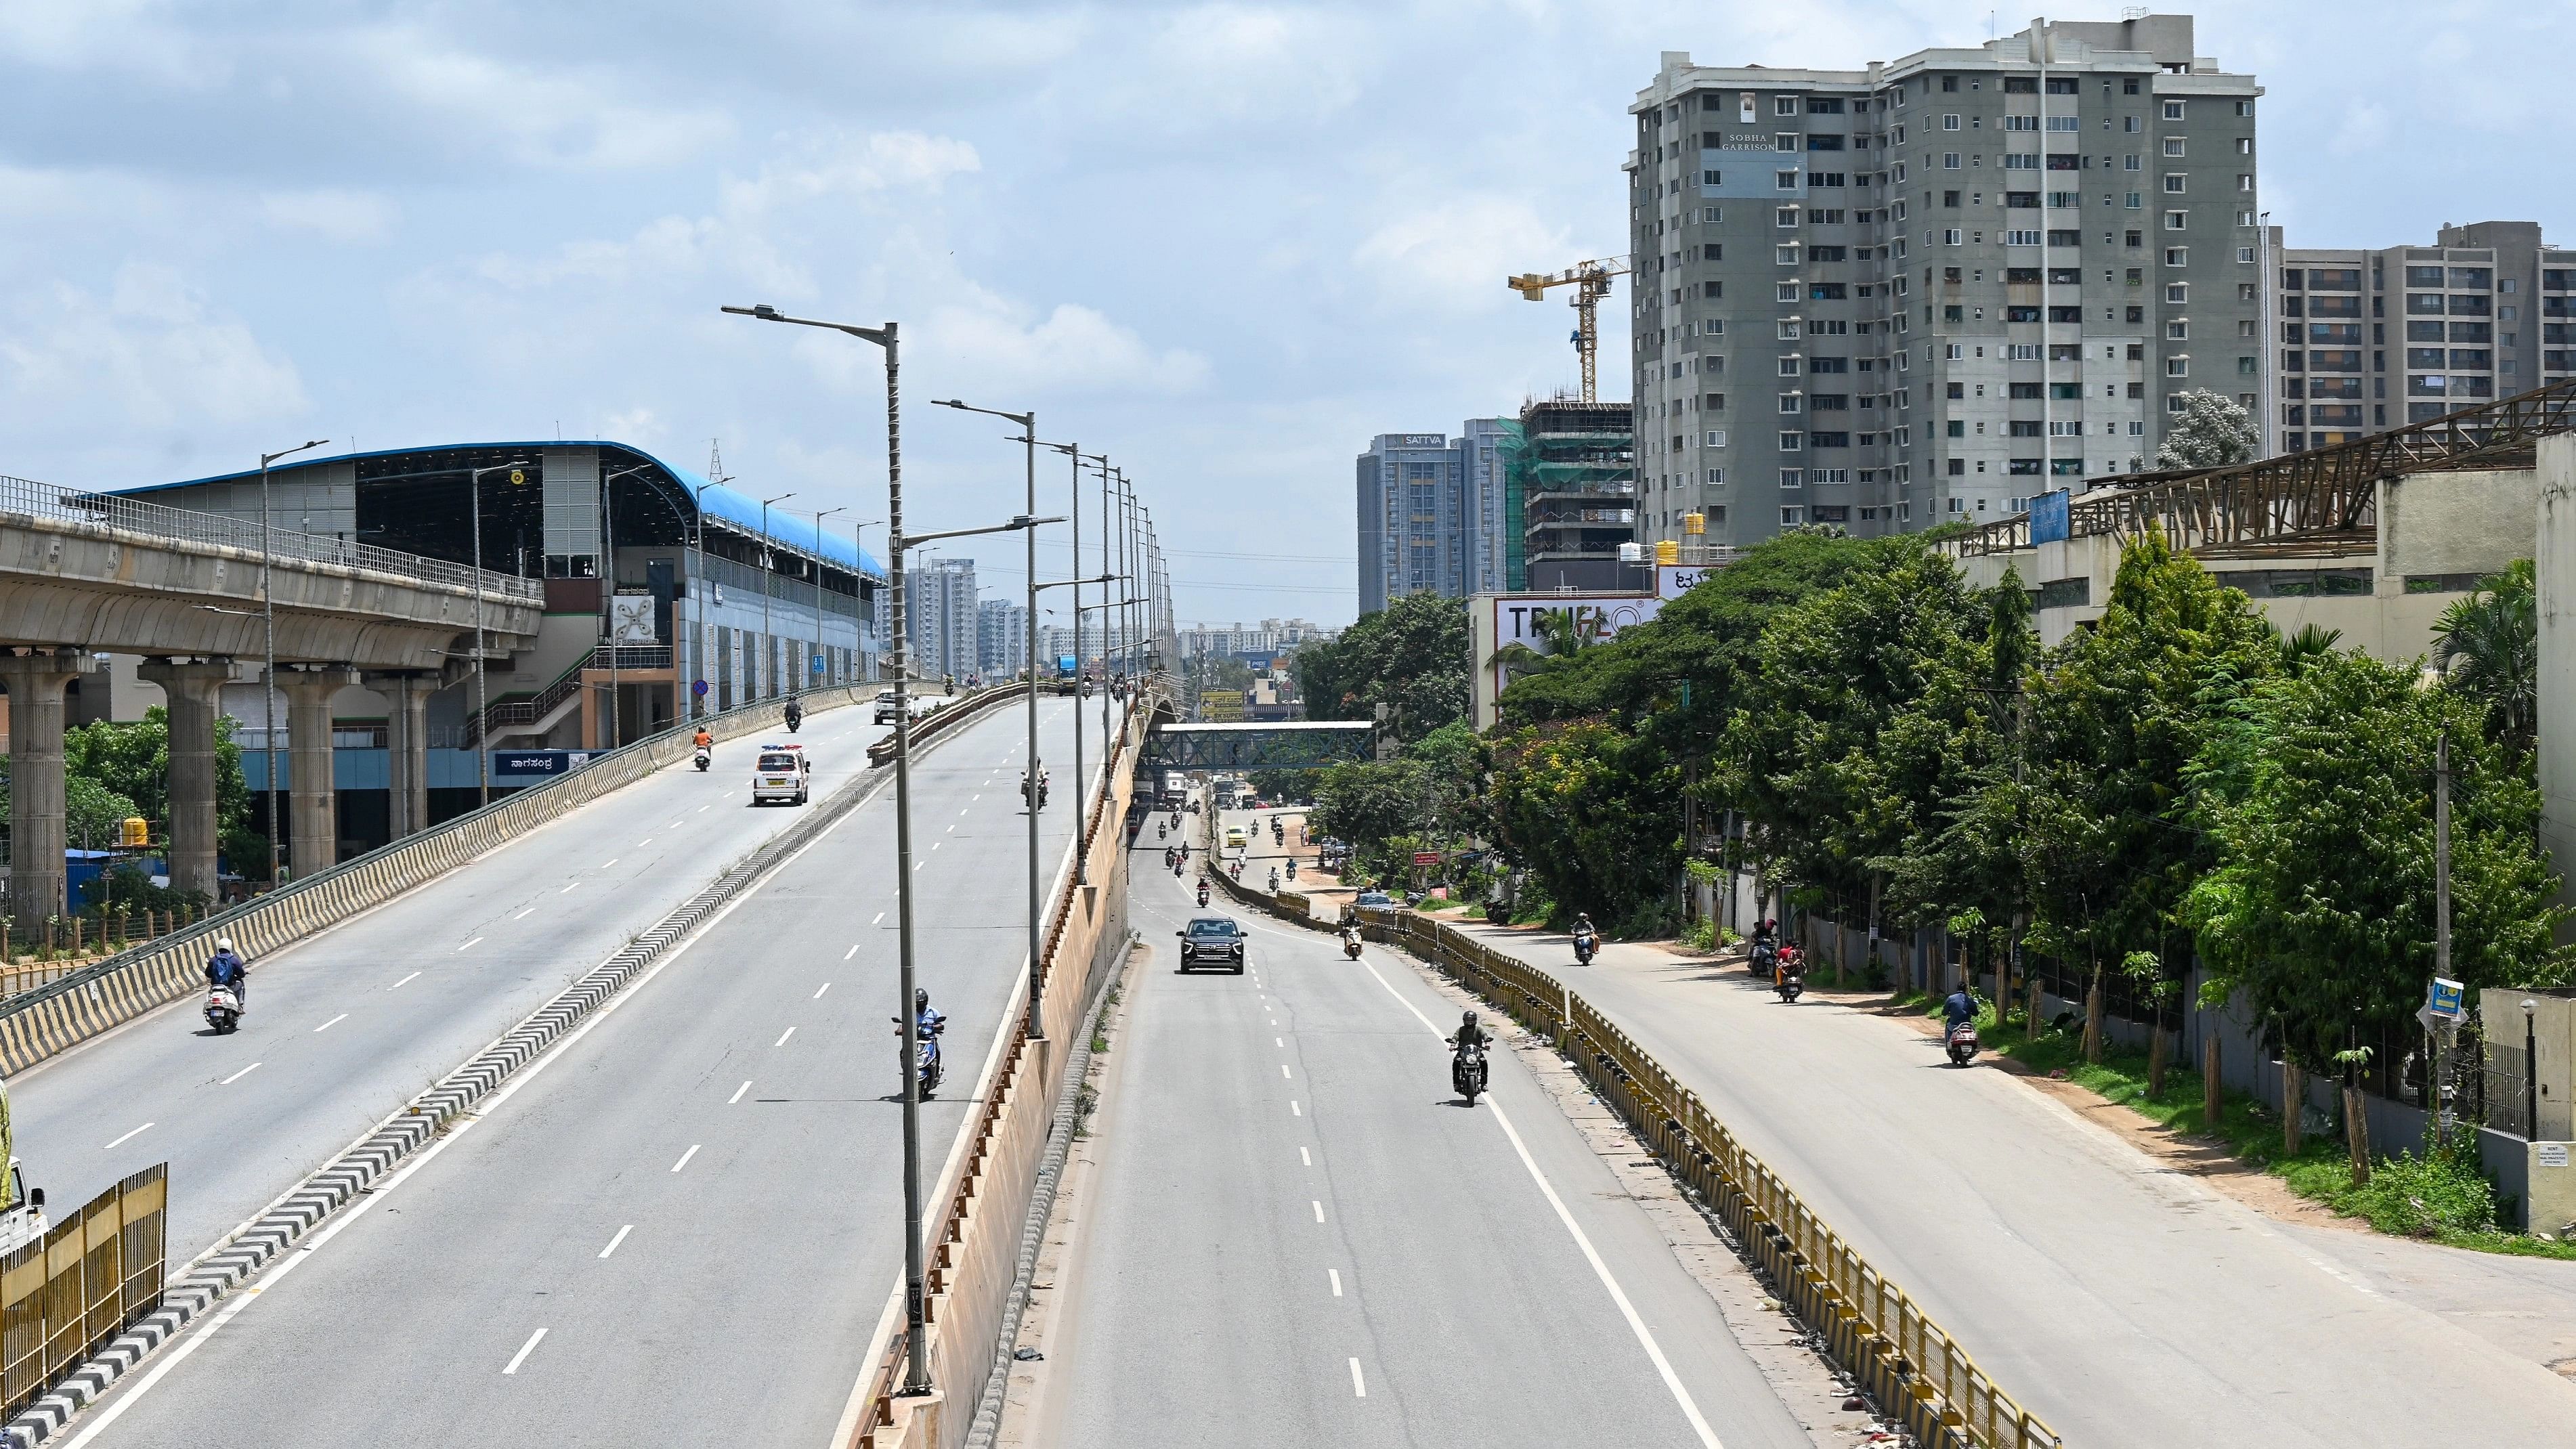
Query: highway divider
(369, 1161)
(1900, 1357)
(978, 1224)
(60, 1014)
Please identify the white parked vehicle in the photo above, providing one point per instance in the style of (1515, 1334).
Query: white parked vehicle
(885, 707)
(22, 1221)
(782, 773)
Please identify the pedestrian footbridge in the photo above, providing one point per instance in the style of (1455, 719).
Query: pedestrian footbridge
(1286, 745)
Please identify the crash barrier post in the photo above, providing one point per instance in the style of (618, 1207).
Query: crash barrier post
(1900, 1357)
(977, 1217)
(37, 1023)
(91, 1276)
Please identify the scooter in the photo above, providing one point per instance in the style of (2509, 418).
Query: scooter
(1585, 943)
(706, 757)
(1351, 944)
(1292, 870)
(925, 1065)
(1467, 1071)
(1161, 831)
(1764, 958)
(223, 1010)
(1203, 894)
(1962, 1043)
(795, 719)
(1791, 978)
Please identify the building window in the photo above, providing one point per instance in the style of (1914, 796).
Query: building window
(2174, 183)
(2173, 110)
(1784, 180)
(1793, 478)
(1949, 160)
(1793, 517)
(1786, 106)
(1949, 123)
(2177, 220)
(1786, 216)
(1717, 477)
(2173, 145)
(1793, 442)
(2177, 256)
(2177, 330)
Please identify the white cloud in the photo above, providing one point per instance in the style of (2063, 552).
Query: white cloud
(1072, 349)
(339, 216)
(840, 164)
(1453, 257)
(150, 355)
(545, 113)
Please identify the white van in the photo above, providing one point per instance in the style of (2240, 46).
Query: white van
(22, 1220)
(781, 773)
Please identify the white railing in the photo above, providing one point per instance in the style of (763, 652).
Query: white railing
(112, 512)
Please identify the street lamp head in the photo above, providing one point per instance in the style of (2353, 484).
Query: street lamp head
(947, 402)
(765, 311)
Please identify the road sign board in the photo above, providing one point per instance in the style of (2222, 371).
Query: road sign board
(2444, 999)
(816, 666)
(1426, 857)
(698, 688)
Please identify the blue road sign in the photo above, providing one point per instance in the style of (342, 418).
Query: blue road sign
(698, 688)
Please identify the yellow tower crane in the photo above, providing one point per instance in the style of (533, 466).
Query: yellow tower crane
(1591, 281)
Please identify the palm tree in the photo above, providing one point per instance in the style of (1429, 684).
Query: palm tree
(2488, 647)
(2312, 643)
(1562, 635)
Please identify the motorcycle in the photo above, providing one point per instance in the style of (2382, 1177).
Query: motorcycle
(1467, 1071)
(795, 719)
(1764, 958)
(706, 757)
(1791, 977)
(1162, 832)
(1274, 882)
(223, 1010)
(925, 1064)
(1203, 895)
(1585, 943)
(1351, 944)
(1235, 870)
(1962, 1043)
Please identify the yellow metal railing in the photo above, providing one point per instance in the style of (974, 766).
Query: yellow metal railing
(89, 1278)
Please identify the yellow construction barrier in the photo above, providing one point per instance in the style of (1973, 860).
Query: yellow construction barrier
(63, 1297)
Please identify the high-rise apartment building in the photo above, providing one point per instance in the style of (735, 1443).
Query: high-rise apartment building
(1927, 290)
(1485, 447)
(939, 606)
(1436, 515)
(1001, 638)
(2366, 340)
(1575, 472)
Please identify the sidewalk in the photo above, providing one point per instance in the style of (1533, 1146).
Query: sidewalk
(2125, 1301)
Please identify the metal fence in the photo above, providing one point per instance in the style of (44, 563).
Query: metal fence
(116, 513)
(93, 1275)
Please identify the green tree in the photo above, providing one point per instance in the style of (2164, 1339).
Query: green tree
(1588, 809)
(2209, 432)
(2488, 647)
(1413, 655)
(2319, 909)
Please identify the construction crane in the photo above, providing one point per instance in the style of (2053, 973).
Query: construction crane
(1591, 282)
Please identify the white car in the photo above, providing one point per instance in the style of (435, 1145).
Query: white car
(781, 774)
(22, 1219)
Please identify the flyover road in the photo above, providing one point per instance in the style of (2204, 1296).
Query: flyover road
(346, 1027)
(682, 1225)
(1296, 1235)
(2121, 1299)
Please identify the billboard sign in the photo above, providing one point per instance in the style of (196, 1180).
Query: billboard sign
(535, 767)
(1674, 580)
(630, 619)
(2048, 522)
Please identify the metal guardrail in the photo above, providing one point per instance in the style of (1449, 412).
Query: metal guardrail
(90, 1277)
(48, 503)
(1914, 1370)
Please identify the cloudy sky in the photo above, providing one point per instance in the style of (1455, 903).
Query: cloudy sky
(1224, 243)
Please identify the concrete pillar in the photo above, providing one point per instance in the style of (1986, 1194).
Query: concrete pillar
(2554, 552)
(36, 829)
(406, 747)
(313, 824)
(194, 693)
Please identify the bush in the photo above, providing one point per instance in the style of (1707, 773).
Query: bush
(1700, 935)
(2442, 1191)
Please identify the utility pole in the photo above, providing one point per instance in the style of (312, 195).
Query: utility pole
(2434, 1055)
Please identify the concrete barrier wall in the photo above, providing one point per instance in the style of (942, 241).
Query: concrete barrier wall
(36, 1024)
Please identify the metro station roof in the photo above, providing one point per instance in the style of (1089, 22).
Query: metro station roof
(738, 512)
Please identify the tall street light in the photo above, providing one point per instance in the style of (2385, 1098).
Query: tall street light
(268, 627)
(1028, 422)
(482, 690)
(1076, 456)
(818, 588)
(608, 583)
(768, 566)
(859, 598)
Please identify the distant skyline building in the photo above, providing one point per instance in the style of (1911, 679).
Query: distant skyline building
(2370, 339)
(1001, 637)
(1434, 515)
(1269, 639)
(941, 610)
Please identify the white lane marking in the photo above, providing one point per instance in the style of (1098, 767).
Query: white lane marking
(783, 1036)
(237, 1076)
(674, 825)
(918, 864)
(128, 1137)
(613, 862)
(1636, 1325)
(397, 986)
(1303, 1157)
(819, 990)
(880, 920)
(613, 1242)
(854, 947)
(685, 1156)
(523, 915)
(936, 844)
(961, 814)
(568, 890)
(951, 830)
(335, 1021)
(971, 799)
(1293, 1112)
(639, 845)
(1334, 1273)
(1359, 1386)
(530, 1347)
(470, 945)
(703, 809)
(1283, 1069)
(1319, 1209)
(737, 1094)
(1279, 1042)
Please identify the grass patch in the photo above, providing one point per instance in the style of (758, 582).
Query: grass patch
(2440, 1197)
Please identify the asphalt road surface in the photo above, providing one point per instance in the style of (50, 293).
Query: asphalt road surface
(2122, 1300)
(683, 1226)
(344, 1028)
(1298, 1236)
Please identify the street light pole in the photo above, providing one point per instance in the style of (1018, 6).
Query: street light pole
(768, 562)
(1028, 422)
(608, 583)
(818, 584)
(482, 689)
(268, 629)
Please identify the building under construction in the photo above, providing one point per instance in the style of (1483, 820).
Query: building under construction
(1571, 489)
